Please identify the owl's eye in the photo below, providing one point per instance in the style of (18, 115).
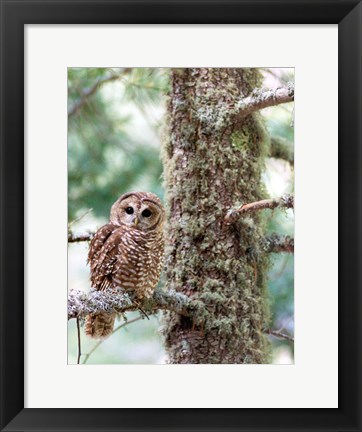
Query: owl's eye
(146, 213)
(129, 210)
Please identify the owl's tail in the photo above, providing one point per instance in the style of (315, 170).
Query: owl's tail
(99, 326)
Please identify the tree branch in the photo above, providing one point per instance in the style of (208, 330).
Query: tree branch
(79, 218)
(260, 99)
(90, 91)
(275, 244)
(81, 304)
(219, 117)
(74, 238)
(286, 201)
(280, 149)
(279, 335)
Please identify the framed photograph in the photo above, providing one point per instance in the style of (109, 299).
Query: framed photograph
(154, 157)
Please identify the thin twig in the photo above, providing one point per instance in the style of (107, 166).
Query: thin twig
(102, 340)
(79, 344)
(279, 335)
(286, 201)
(79, 217)
(89, 92)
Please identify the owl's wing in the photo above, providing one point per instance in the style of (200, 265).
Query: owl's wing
(102, 255)
(97, 243)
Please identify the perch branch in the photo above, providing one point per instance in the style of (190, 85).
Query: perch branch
(81, 304)
(280, 149)
(286, 201)
(260, 99)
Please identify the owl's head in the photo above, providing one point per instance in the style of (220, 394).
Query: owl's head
(141, 210)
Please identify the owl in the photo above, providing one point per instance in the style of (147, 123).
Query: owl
(126, 253)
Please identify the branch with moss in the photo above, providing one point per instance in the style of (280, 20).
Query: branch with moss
(260, 99)
(81, 304)
(286, 201)
(276, 244)
(78, 302)
(280, 149)
(216, 119)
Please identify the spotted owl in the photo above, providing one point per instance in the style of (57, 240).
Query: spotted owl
(127, 253)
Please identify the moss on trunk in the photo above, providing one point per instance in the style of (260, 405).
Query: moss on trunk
(212, 163)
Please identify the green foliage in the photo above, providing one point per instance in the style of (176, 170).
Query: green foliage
(104, 158)
(145, 86)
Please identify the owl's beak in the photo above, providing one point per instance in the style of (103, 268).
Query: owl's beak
(135, 221)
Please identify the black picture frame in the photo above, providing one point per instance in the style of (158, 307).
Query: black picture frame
(16, 14)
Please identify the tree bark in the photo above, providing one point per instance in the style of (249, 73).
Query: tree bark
(212, 163)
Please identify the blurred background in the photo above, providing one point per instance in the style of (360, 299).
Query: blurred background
(115, 123)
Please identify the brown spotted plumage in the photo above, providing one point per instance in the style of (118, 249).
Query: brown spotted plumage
(127, 253)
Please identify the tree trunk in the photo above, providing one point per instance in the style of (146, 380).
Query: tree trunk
(212, 162)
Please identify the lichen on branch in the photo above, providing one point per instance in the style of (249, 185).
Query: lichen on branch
(81, 304)
(275, 243)
(260, 99)
(222, 114)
